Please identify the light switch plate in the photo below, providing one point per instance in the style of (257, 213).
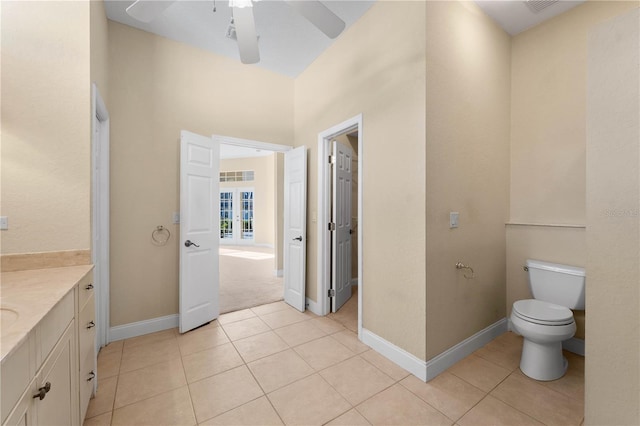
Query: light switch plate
(176, 218)
(454, 218)
(4, 223)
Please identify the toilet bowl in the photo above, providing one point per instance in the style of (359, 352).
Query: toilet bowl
(544, 327)
(546, 320)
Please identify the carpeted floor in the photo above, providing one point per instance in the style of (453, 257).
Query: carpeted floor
(247, 278)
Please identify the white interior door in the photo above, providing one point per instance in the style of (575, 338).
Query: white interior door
(199, 231)
(341, 213)
(295, 226)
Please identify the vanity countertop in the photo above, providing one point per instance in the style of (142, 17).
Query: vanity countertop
(27, 296)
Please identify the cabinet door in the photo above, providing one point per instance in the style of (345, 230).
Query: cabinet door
(60, 404)
(23, 412)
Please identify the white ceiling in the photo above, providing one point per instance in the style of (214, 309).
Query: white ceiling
(288, 42)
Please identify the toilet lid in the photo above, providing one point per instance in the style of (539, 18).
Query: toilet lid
(541, 312)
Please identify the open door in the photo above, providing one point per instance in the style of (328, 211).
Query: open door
(341, 213)
(295, 226)
(199, 230)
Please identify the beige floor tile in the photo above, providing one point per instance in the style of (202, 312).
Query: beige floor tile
(236, 316)
(103, 401)
(150, 338)
(200, 339)
(149, 381)
(209, 362)
(324, 352)
(109, 364)
(387, 367)
(223, 392)
(299, 333)
(350, 418)
(327, 325)
(356, 379)
(572, 383)
(278, 370)
(350, 340)
(447, 393)
(245, 328)
(259, 346)
(270, 308)
(112, 347)
(505, 351)
(479, 372)
(101, 420)
(258, 412)
(310, 401)
(169, 408)
(491, 411)
(282, 318)
(397, 406)
(538, 401)
(144, 355)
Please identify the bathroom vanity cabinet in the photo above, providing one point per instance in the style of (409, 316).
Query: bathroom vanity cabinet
(48, 358)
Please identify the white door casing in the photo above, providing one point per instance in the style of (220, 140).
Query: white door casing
(341, 215)
(199, 230)
(295, 226)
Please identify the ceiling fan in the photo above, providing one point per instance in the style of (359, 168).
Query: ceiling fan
(243, 21)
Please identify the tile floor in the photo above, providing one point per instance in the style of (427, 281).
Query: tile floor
(271, 365)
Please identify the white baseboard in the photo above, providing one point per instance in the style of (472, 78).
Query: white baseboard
(140, 328)
(278, 272)
(572, 345)
(313, 307)
(446, 359)
(355, 282)
(399, 356)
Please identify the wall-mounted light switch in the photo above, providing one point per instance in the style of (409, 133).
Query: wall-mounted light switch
(454, 218)
(4, 223)
(176, 218)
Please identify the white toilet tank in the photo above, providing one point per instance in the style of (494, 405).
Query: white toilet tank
(560, 284)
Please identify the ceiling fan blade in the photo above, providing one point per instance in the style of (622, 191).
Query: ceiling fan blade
(319, 15)
(147, 10)
(246, 34)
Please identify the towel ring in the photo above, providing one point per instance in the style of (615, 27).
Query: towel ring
(160, 235)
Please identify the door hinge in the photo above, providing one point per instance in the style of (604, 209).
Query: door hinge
(332, 226)
(332, 293)
(332, 159)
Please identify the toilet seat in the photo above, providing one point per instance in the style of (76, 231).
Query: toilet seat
(543, 313)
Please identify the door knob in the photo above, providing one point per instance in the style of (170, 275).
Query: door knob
(298, 238)
(188, 243)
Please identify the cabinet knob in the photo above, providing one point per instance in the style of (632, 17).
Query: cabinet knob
(91, 325)
(92, 376)
(89, 287)
(43, 391)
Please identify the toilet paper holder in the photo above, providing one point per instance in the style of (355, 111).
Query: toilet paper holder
(460, 265)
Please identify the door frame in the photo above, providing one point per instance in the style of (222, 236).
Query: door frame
(100, 213)
(324, 213)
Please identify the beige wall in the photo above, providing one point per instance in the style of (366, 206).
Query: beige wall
(467, 122)
(612, 371)
(45, 126)
(379, 73)
(548, 148)
(264, 193)
(99, 48)
(158, 87)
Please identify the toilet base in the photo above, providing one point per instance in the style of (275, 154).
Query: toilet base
(543, 361)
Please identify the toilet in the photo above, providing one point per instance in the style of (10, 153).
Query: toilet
(547, 320)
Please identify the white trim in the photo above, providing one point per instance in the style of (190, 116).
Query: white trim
(278, 272)
(313, 306)
(446, 359)
(140, 328)
(264, 146)
(100, 212)
(574, 345)
(355, 282)
(324, 204)
(399, 356)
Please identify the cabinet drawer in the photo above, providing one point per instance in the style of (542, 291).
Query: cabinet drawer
(85, 290)
(87, 329)
(86, 382)
(50, 329)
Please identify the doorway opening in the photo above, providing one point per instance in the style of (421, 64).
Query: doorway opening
(340, 167)
(251, 206)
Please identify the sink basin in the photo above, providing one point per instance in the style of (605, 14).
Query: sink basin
(7, 318)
